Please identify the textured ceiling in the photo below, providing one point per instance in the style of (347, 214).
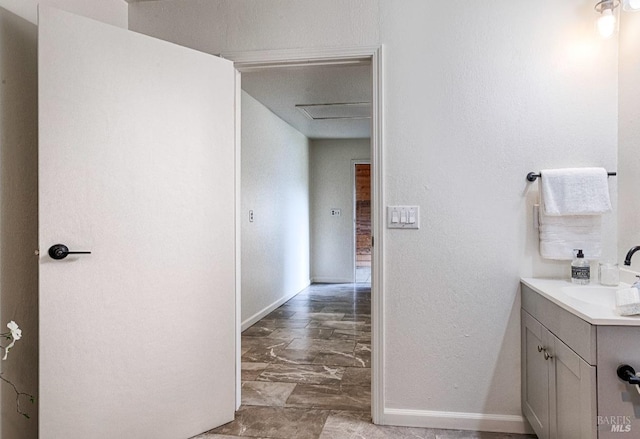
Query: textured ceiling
(281, 89)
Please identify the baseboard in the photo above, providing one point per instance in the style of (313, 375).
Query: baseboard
(331, 280)
(263, 312)
(457, 421)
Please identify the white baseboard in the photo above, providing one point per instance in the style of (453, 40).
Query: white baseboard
(331, 280)
(457, 421)
(263, 312)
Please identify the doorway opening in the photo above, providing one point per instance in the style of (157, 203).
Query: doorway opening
(362, 220)
(371, 57)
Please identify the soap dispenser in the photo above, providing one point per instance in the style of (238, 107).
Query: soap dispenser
(580, 269)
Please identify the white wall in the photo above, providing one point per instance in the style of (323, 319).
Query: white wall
(275, 185)
(108, 11)
(332, 238)
(629, 137)
(216, 26)
(18, 193)
(477, 95)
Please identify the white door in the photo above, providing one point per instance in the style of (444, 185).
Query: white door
(136, 165)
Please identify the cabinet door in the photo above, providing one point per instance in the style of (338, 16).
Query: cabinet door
(572, 395)
(535, 375)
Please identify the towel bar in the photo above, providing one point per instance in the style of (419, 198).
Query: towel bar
(532, 176)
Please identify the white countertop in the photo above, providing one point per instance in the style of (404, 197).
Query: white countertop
(557, 291)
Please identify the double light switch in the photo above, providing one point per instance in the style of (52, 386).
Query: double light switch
(403, 217)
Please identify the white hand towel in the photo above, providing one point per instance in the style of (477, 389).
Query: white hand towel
(560, 235)
(628, 301)
(575, 191)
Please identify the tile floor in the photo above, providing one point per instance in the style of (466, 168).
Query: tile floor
(306, 373)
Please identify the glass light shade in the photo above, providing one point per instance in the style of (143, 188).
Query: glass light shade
(607, 23)
(631, 5)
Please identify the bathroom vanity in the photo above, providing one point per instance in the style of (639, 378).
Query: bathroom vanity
(572, 345)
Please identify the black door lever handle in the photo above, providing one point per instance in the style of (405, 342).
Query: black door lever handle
(628, 374)
(61, 251)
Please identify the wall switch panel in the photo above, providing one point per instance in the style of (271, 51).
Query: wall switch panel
(336, 212)
(251, 216)
(403, 217)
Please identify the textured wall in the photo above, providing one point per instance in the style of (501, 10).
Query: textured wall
(629, 137)
(19, 216)
(477, 94)
(332, 252)
(476, 97)
(108, 11)
(275, 185)
(216, 26)
(18, 192)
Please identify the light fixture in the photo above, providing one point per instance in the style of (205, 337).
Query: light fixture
(607, 22)
(631, 5)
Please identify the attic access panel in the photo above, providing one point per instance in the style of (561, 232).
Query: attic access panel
(336, 111)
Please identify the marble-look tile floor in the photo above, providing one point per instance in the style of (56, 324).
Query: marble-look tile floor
(306, 373)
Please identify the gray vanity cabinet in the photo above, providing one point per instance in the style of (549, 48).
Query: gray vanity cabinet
(558, 386)
(574, 391)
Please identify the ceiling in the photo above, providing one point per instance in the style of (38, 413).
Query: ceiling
(282, 88)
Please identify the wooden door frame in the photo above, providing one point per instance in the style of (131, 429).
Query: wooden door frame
(258, 60)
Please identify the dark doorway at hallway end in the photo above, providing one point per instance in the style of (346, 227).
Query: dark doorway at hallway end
(363, 222)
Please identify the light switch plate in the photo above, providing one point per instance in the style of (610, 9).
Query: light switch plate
(403, 217)
(336, 212)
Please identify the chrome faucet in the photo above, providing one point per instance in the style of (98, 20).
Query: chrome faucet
(627, 260)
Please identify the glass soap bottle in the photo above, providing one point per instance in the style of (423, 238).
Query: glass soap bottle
(580, 269)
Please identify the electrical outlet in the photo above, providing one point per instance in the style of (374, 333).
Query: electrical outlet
(251, 216)
(336, 212)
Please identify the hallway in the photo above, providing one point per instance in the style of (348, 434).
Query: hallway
(306, 372)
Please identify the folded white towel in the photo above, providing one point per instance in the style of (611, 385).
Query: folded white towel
(575, 191)
(628, 301)
(560, 235)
